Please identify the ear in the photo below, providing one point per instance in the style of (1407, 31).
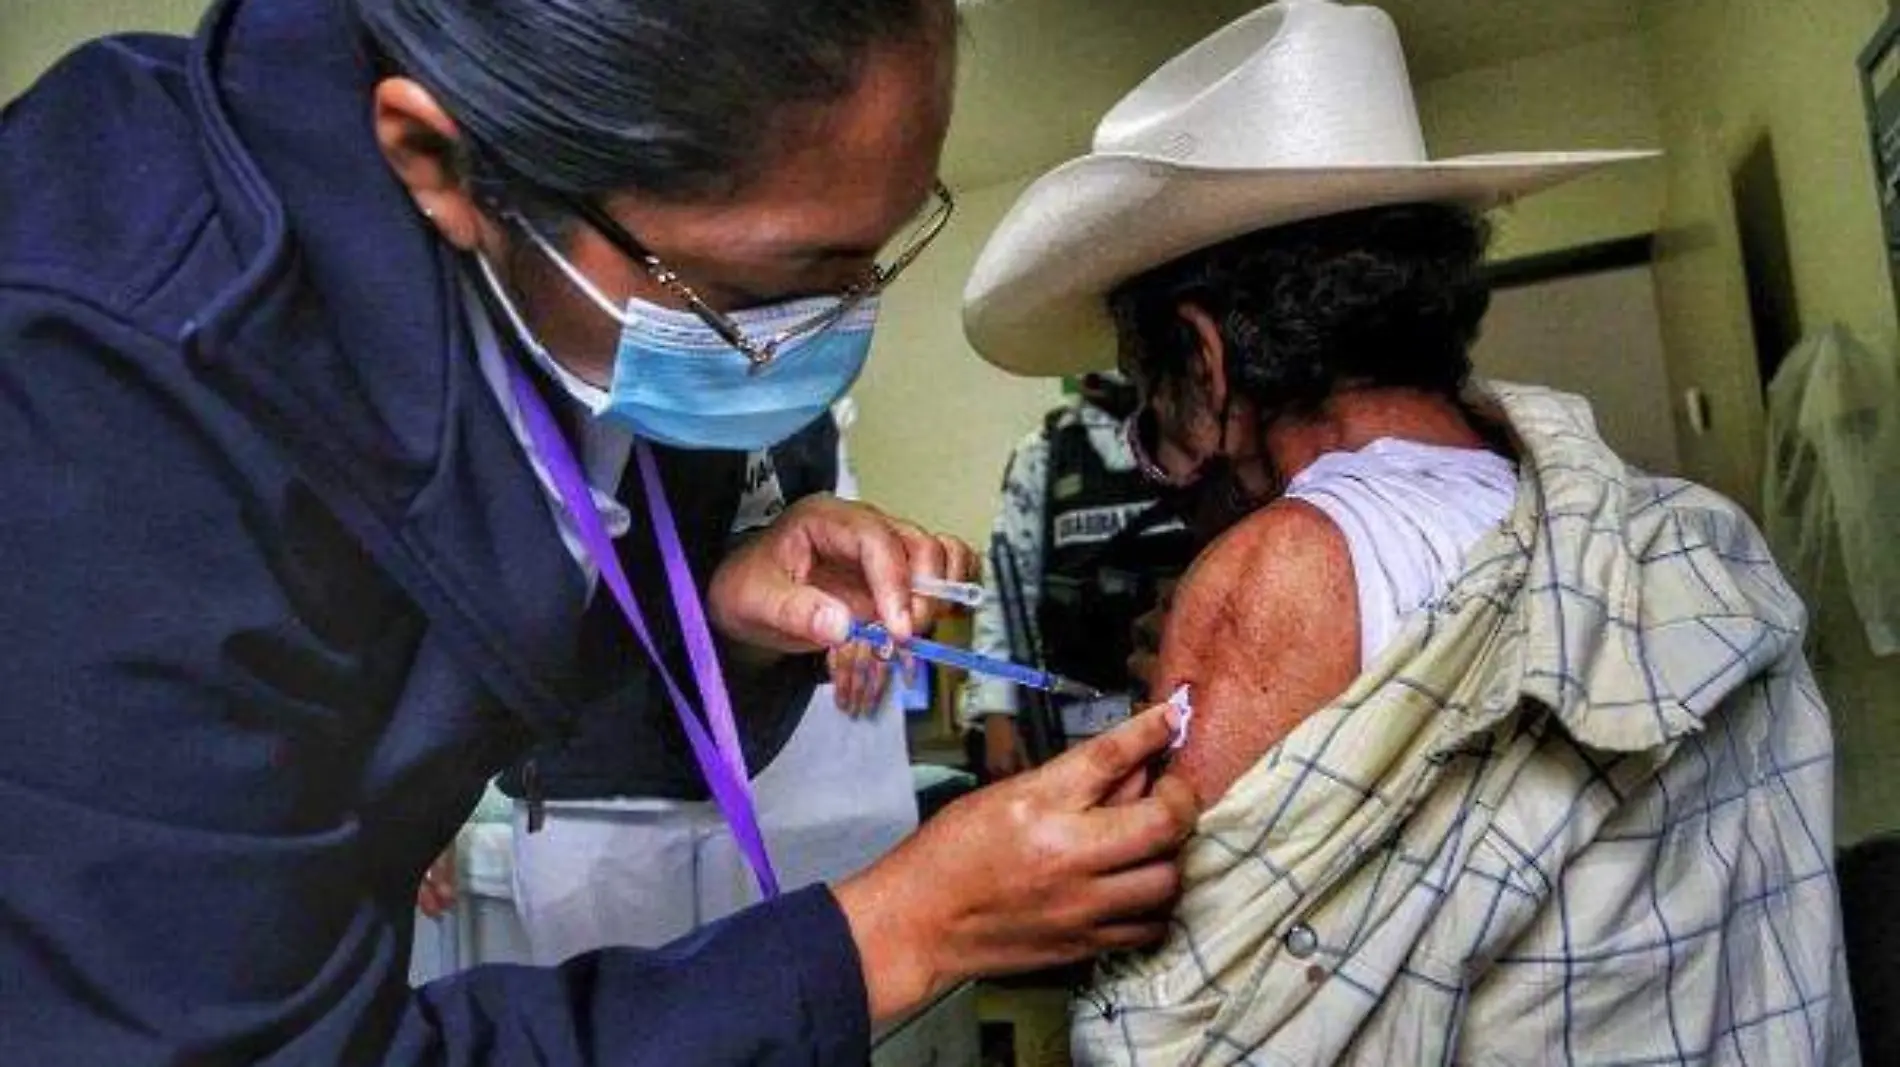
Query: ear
(1211, 371)
(420, 142)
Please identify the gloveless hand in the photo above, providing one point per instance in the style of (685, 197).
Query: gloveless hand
(1054, 865)
(796, 586)
(858, 677)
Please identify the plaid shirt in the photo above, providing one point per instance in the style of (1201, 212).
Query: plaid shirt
(1580, 812)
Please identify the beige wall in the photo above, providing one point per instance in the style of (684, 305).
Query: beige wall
(33, 33)
(1728, 72)
(938, 423)
(1599, 336)
(1705, 80)
(1595, 95)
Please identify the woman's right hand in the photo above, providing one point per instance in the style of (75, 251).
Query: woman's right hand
(1055, 865)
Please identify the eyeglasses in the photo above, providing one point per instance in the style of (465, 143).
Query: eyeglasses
(760, 351)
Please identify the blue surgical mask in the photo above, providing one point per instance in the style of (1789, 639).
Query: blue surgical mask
(678, 383)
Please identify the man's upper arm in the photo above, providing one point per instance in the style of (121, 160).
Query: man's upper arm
(1265, 629)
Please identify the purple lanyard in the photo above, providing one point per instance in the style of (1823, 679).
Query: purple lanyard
(720, 758)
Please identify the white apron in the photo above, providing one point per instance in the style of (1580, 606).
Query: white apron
(644, 871)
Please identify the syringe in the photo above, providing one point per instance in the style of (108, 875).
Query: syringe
(880, 639)
(968, 594)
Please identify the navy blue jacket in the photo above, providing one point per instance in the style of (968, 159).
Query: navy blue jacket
(627, 742)
(279, 594)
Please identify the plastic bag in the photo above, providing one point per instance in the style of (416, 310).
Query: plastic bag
(1831, 486)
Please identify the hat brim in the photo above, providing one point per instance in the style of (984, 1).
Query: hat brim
(1036, 302)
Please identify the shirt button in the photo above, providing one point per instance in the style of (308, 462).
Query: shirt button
(1301, 941)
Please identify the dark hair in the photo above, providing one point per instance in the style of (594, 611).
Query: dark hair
(677, 99)
(1384, 297)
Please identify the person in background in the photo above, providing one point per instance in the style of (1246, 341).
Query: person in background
(327, 336)
(1507, 751)
(1083, 548)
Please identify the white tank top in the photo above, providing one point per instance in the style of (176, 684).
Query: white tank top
(1410, 512)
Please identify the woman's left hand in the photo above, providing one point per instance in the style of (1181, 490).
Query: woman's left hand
(858, 677)
(797, 586)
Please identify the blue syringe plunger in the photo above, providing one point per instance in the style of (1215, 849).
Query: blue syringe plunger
(951, 656)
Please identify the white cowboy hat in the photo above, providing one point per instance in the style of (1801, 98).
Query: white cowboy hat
(1298, 110)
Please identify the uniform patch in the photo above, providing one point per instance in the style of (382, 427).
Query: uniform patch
(1086, 526)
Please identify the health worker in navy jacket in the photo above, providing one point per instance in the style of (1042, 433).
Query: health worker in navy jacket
(287, 575)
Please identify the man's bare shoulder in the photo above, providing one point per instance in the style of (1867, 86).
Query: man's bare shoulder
(1286, 555)
(1265, 627)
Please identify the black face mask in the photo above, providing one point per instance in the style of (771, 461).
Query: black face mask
(1214, 502)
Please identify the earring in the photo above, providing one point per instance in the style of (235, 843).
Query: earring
(427, 212)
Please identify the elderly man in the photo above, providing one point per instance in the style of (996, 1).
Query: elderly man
(1506, 751)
